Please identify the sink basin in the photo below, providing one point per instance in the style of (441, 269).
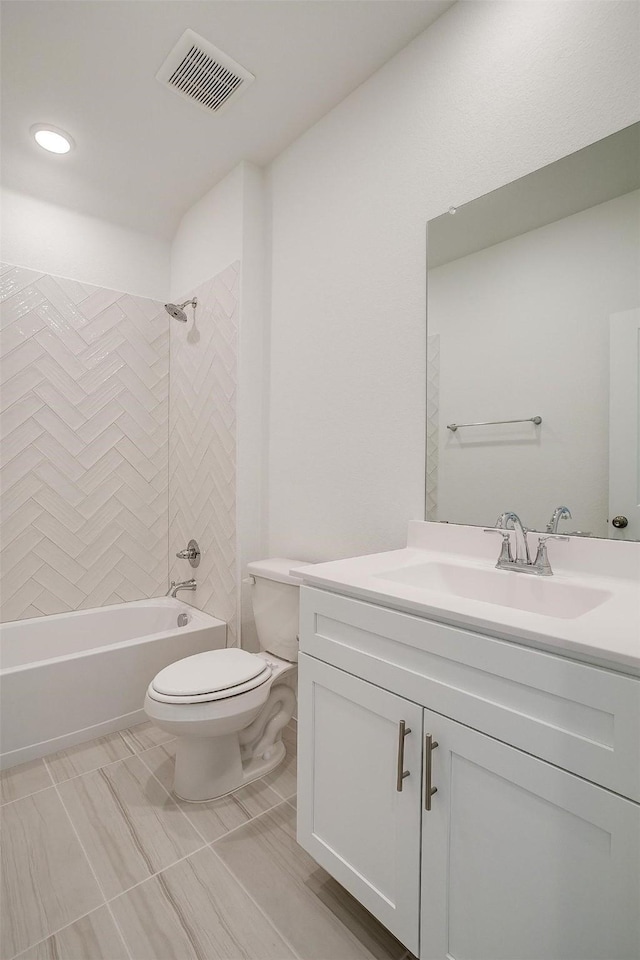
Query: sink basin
(504, 588)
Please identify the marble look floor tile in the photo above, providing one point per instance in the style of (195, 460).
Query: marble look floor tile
(215, 817)
(290, 734)
(94, 937)
(46, 880)
(23, 780)
(130, 828)
(284, 778)
(85, 757)
(313, 912)
(145, 735)
(195, 910)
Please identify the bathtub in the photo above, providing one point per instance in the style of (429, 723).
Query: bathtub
(71, 677)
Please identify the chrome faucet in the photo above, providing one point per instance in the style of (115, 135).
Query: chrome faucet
(522, 562)
(560, 513)
(185, 585)
(511, 521)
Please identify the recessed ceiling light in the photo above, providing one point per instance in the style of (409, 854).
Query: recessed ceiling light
(51, 138)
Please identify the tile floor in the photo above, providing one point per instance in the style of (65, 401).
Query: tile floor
(100, 862)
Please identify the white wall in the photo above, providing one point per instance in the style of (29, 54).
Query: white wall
(209, 236)
(489, 93)
(51, 239)
(524, 331)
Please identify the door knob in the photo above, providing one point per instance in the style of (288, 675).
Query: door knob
(620, 522)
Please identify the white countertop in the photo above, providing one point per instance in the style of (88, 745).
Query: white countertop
(608, 635)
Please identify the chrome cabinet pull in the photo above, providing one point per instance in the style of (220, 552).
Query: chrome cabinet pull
(403, 731)
(429, 746)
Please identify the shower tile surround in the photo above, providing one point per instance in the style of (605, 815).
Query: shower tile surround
(138, 874)
(104, 475)
(202, 445)
(84, 428)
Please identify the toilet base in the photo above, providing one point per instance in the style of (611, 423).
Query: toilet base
(201, 776)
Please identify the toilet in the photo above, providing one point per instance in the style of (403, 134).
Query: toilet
(228, 707)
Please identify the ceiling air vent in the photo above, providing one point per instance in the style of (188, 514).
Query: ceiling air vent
(200, 72)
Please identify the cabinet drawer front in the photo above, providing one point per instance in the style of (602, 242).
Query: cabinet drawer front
(352, 818)
(582, 718)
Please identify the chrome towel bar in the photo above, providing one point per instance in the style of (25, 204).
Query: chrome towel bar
(489, 423)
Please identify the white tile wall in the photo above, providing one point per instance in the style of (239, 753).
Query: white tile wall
(84, 433)
(202, 446)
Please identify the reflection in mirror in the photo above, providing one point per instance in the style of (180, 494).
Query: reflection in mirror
(533, 349)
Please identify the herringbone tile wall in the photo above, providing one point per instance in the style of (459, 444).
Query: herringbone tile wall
(84, 431)
(202, 446)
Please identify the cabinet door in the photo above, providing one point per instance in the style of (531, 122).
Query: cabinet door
(521, 860)
(352, 819)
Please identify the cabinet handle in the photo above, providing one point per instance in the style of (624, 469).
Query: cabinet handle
(403, 731)
(429, 746)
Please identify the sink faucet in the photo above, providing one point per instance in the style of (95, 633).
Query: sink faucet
(511, 521)
(185, 585)
(560, 513)
(522, 562)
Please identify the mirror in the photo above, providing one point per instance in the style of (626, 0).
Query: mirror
(533, 348)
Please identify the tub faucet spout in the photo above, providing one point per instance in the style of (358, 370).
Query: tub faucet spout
(185, 585)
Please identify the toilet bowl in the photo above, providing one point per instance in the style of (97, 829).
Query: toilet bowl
(228, 707)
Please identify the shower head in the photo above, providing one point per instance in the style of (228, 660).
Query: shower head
(176, 310)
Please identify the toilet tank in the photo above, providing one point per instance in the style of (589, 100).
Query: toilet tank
(275, 598)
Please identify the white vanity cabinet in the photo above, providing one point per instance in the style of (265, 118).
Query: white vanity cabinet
(521, 855)
(353, 820)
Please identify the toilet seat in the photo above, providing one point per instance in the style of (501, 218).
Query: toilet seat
(214, 675)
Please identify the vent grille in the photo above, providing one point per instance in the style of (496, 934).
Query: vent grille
(200, 72)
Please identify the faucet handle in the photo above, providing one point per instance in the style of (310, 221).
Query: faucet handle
(190, 553)
(505, 551)
(541, 562)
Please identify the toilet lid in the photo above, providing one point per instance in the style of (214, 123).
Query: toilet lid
(212, 672)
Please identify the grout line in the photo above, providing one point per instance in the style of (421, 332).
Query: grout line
(107, 902)
(34, 792)
(99, 885)
(55, 933)
(173, 800)
(247, 822)
(253, 901)
(206, 844)
(138, 752)
(120, 933)
(109, 763)
(82, 847)
(27, 796)
(152, 876)
(85, 773)
(275, 790)
(233, 829)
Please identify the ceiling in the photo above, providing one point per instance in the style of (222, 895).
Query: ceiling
(143, 154)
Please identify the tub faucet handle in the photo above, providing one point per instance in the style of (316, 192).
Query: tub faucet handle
(190, 553)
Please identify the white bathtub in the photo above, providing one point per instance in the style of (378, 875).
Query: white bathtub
(75, 676)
